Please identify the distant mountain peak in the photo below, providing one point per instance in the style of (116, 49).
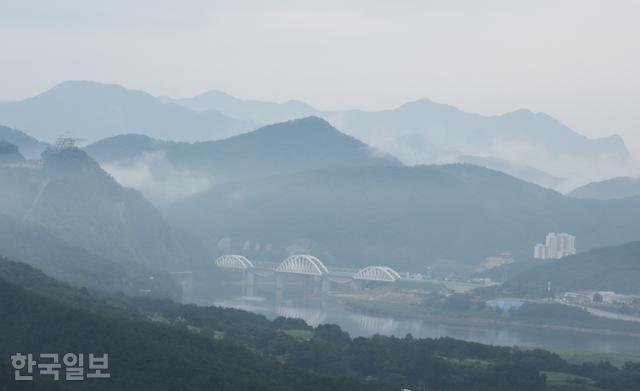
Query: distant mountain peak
(422, 102)
(95, 110)
(215, 94)
(90, 84)
(123, 147)
(312, 119)
(307, 123)
(298, 104)
(112, 95)
(224, 96)
(523, 111)
(254, 110)
(296, 128)
(426, 106)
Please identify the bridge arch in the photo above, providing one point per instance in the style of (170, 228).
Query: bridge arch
(302, 264)
(231, 261)
(377, 273)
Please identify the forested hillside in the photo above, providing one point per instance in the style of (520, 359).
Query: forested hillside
(405, 217)
(77, 202)
(34, 245)
(293, 146)
(615, 268)
(160, 345)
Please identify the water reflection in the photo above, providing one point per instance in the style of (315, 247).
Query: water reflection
(316, 309)
(313, 316)
(375, 325)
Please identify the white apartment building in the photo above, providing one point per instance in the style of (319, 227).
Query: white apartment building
(556, 246)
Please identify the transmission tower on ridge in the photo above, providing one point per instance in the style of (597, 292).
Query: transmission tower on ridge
(64, 142)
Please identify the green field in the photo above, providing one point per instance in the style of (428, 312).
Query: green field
(300, 335)
(416, 285)
(565, 379)
(616, 359)
(472, 362)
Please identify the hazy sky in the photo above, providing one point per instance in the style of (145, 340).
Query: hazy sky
(578, 60)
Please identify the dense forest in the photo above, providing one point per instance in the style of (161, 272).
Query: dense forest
(161, 345)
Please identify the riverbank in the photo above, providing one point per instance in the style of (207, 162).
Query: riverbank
(412, 310)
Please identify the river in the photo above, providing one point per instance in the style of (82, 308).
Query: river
(316, 310)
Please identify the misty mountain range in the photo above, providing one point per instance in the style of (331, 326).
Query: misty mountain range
(532, 146)
(297, 186)
(303, 186)
(68, 215)
(93, 111)
(249, 110)
(408, 217)
(517, 170)
(610, 189)
(28, 146)
(298, 145)
(438, 125)
(426, 132)
(293, 146)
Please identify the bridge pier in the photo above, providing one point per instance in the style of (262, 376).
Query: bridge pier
(248, 283)
(326, 284)
(279, 294)
(315, 282)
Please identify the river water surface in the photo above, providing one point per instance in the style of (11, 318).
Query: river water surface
(316, 310)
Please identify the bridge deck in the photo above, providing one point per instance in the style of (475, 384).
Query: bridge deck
(309, 265)
(336, 272)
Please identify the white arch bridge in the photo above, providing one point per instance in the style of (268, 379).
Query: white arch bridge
(307, 265)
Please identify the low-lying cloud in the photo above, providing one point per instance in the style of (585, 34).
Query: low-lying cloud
(159, 181)
(573, 171)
